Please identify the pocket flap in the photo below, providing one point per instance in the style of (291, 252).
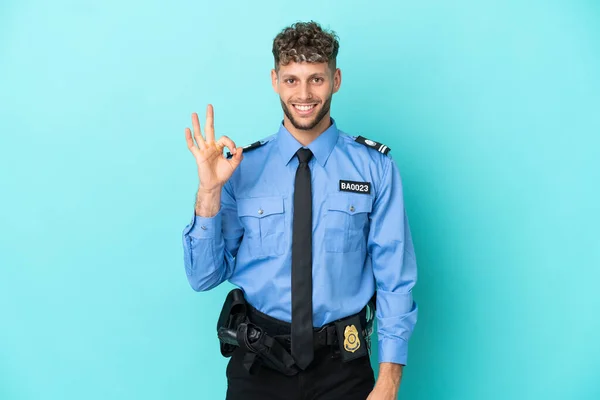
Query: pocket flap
(260, 206)
(350, 203)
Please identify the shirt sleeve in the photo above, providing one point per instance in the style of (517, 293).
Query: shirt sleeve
(211, 244)
(394, 266)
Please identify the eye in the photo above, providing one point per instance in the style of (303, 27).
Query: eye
(317, 80)
(289, 81)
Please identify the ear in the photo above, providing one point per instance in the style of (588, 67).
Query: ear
(337, 80)
(275, 81)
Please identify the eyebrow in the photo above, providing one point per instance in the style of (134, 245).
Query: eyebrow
(315, 75)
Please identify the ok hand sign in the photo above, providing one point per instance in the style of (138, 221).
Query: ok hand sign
(213, 168)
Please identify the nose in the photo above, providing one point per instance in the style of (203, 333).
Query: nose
(305, 93)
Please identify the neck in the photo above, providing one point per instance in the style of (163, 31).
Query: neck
(305, 137)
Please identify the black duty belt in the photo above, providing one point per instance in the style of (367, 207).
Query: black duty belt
(267, 340)
(326, 336)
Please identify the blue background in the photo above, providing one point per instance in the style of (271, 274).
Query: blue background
(492, 113)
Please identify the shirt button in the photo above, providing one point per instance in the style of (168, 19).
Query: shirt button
(260, 211)
(203, 227)
(352, 208)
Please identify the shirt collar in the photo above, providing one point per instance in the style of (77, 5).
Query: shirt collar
(321, 147)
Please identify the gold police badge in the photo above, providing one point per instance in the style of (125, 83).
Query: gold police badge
(351, 340)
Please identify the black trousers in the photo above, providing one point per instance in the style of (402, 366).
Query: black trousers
(326, 378)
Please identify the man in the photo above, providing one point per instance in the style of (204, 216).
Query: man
(309, 223)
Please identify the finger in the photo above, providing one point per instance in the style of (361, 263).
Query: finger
(197, 132)
(209, 130)
(237, 158)
(190, 141)
(227, 142)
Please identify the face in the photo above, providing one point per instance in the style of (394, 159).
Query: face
(305, 91)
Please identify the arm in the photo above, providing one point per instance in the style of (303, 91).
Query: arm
(388, 382)
(395, 270)
(211, 240)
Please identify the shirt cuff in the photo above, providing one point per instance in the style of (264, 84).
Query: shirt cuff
(393, 351)
(205, 228)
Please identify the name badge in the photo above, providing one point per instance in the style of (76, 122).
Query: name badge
(355, 187)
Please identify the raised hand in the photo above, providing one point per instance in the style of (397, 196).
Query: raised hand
(213, 168)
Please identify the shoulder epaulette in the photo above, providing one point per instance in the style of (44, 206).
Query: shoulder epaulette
(249, 147)
(382, 148)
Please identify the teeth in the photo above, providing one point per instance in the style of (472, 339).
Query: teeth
(304, 108)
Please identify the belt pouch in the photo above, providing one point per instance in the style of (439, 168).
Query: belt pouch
(351, 339)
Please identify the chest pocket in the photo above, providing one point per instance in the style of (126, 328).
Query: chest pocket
(264, 222)
(347, 222)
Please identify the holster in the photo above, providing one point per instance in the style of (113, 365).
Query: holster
(233, 313)
(235, 329)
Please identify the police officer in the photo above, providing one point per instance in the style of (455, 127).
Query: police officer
(310, 223)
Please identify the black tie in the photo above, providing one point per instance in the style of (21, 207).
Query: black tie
(302, 325)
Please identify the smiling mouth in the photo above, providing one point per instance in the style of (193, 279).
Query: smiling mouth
(304, 108)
